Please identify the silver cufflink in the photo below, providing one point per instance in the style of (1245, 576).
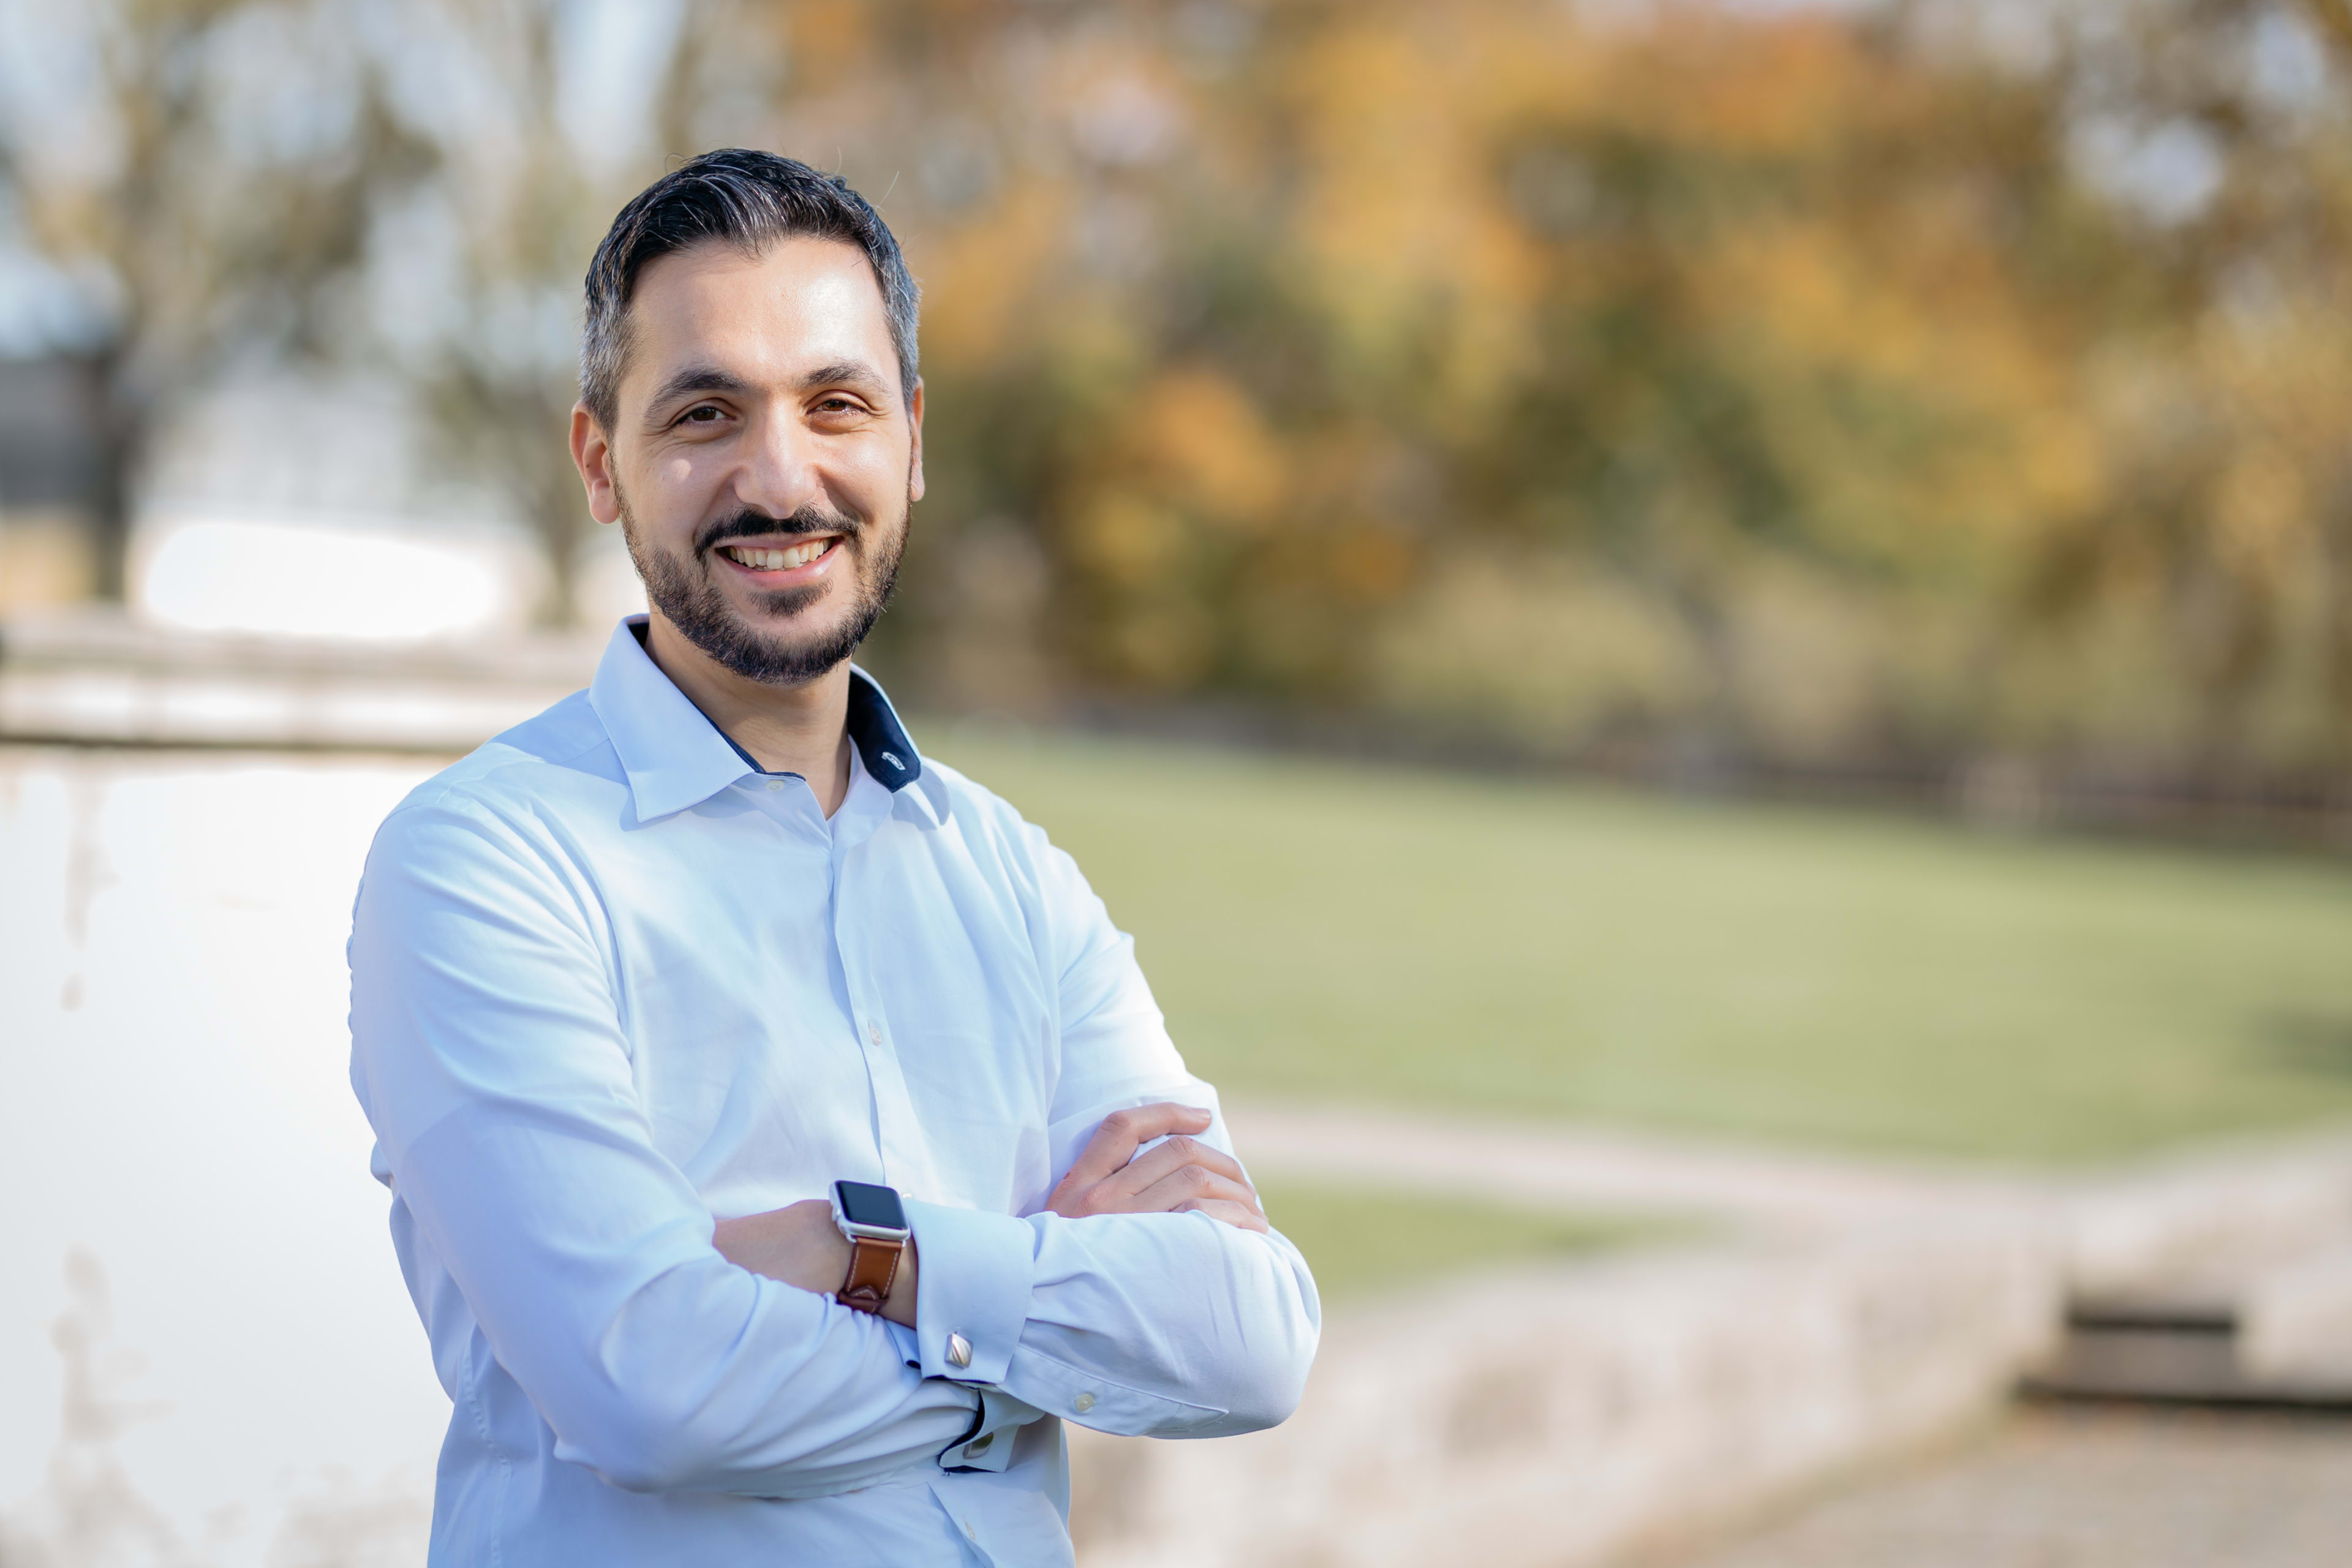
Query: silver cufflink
(959, 1351)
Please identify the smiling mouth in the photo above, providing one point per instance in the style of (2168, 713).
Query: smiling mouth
(760, 558)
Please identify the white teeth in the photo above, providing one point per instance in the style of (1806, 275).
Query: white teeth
(780, 560)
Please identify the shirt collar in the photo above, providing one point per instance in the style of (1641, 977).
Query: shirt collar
(675, 757)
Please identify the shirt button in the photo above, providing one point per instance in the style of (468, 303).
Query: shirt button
(968, 1531)
(775, 785)
(873, 1033)
(1083, 1403)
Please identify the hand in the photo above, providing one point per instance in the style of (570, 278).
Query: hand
(799, 1244)
(1180, 1176)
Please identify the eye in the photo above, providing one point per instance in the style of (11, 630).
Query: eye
(702, 414)
(837, 405)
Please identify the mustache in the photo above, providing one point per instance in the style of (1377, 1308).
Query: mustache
(749, 524)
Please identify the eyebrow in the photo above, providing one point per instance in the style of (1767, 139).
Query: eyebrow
(846, 373)
(698, 378)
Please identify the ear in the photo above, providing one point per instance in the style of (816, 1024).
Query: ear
(591, 454)
(915, 455)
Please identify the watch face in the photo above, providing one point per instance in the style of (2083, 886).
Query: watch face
(862, 1203)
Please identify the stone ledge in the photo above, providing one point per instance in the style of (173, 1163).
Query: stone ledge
(95, 678)
(1564, 1418)
(1555, 1418)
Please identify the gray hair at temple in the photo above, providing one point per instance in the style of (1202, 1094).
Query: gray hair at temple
(750, 200)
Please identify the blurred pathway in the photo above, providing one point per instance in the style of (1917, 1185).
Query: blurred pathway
(1776, 1191)
(2057, 1488)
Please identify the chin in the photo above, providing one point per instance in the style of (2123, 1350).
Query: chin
(801, 628)
(796, 644)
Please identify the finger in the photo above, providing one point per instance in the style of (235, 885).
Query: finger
(1173, 1155)
(1123, 1131)
(1189, 1185)
(1241, 1216)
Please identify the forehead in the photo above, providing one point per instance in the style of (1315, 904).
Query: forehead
(766, 317)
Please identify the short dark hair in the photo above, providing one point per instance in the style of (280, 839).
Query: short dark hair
(750, 200)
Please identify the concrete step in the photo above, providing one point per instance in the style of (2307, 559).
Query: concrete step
(2278, 1336)
(2295, 1320)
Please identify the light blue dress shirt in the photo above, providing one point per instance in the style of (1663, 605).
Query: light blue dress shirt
(609, 982)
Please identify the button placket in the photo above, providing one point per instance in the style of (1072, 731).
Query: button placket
(905, 1153)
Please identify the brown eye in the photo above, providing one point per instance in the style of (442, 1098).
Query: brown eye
(702, 415)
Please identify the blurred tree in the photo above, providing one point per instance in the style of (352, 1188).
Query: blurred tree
(211, 192)
(322, 182)
(539, 142)
(2219, 132)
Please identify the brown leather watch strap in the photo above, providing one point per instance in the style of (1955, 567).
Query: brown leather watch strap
(872, 1266)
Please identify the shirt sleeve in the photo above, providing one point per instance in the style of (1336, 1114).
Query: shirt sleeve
(488, 1054)
(1171, 1325)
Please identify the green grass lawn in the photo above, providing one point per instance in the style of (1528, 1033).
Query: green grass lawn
(1321, 931)
(1361, 1243)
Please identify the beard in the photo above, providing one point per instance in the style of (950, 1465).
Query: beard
(685, 591)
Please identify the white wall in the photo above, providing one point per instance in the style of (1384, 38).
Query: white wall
(172, 1023)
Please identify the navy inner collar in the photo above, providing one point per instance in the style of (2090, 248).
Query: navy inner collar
(881, 740)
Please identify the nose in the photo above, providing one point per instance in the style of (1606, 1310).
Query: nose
(779, 472)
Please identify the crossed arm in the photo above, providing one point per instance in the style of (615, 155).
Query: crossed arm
(799, 1244)
(537, 1217)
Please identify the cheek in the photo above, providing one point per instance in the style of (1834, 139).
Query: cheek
(668, 496)
(674, 474)
(878, 480)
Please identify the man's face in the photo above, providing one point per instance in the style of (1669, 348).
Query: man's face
(763, 462)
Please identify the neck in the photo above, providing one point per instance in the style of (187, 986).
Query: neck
(801, 730)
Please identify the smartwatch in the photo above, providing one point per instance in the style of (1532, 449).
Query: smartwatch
(876, 1224)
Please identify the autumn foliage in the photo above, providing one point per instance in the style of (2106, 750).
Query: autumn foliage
(1924, 380)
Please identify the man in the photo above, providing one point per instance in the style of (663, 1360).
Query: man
(782, 1141)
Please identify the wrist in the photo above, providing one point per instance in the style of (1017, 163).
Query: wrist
(873, 1224)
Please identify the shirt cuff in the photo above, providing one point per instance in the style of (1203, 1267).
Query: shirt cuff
(994, 1432)
(974, 1288)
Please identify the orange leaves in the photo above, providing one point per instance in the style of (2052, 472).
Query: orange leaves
(981, 279)
(1196, 439)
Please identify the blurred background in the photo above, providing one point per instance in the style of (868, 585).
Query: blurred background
(1772, 575)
